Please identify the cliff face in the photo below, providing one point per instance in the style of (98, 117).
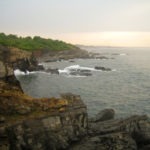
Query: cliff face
(55, 129)
(28, 123)
(18, 59)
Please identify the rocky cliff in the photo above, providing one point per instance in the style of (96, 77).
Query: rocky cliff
(27, 123)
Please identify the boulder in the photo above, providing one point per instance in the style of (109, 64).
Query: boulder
(137, 127)
(40, 67)
(104, 115)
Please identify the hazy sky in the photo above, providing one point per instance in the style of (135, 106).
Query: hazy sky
(89, 22)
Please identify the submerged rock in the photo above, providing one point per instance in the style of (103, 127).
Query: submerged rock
(80, 72)
(52, 71)
(102, 68)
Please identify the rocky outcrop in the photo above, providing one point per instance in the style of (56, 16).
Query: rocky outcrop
(114, 141)
(132, 133)
(50, 124)
(36, 124)
(27, 123)
(19, 59)
(52, 56)
(55, 130)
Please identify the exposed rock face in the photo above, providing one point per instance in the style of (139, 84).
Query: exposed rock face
(53, 131)
(114, 141)
(121, 134)
(19, 59)
(36, 124)
(51, 56)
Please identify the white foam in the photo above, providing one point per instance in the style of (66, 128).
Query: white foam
(114, 70)
(75, 76)
(74, 67)
(18, 72)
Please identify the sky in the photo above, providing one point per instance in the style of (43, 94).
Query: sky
(87, 22)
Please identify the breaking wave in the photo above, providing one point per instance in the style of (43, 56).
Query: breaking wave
(18, 72)
(75, 68)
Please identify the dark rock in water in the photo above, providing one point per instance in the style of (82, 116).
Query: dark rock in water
(101, 57)
(40, 68)
(80, 72)
(85, 70)
(52, 71)
(102, 68)
(51, 60)
(72, 61)
(104, 115)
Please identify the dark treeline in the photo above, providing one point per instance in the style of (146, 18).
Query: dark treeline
(35, 43)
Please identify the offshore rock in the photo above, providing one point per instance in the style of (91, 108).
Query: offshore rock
(102, 68)
(52, 71)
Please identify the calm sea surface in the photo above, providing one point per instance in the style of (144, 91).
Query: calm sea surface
(126, 88)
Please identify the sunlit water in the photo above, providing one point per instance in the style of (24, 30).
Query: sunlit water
(125, 89)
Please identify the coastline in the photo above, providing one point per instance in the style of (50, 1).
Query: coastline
(59, 123)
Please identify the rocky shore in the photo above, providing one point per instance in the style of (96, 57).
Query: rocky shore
(27, 123)
(52, 56)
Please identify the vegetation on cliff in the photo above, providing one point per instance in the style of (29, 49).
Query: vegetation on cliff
(35, 43)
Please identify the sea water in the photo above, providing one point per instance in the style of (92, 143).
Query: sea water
(126, 88)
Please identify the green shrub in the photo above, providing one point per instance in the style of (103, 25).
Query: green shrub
(35, 43)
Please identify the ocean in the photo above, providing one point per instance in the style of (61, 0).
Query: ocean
(126, 88)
